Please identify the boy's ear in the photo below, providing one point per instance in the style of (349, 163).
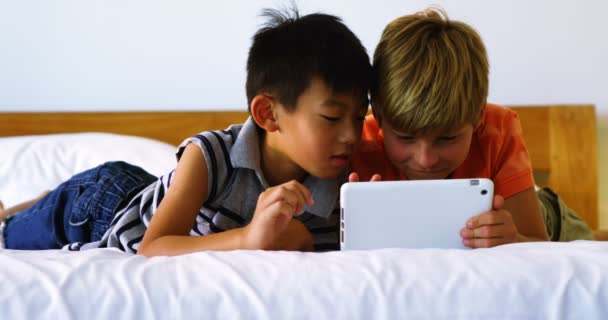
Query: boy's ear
(263, 108)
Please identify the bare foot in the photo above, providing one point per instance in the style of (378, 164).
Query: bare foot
(44, 193)
(4, 213)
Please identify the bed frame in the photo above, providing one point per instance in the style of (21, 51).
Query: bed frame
(561, 139)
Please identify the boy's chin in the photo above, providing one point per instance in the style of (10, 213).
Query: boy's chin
(328, 174)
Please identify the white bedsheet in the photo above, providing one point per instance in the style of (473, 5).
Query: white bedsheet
(520, 281)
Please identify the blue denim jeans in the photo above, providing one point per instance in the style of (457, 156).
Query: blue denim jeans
(79, 210)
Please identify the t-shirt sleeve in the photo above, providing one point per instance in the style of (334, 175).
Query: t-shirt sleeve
(215, 146)
(512, 170)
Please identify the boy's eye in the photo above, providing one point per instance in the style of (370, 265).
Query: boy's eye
(330, 118)
(446, 138)
(407, 138)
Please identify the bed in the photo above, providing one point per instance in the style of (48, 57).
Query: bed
(562, 139)
(518, 281)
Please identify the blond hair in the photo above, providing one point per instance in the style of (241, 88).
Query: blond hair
(430, 73)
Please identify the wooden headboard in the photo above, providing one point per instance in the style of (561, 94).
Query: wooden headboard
(562, 140)
(171, 127)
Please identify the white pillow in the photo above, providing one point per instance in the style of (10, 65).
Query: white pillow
(32, 164)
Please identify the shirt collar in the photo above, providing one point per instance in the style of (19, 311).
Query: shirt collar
(245, 153)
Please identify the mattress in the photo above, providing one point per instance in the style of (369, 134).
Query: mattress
(519, 281)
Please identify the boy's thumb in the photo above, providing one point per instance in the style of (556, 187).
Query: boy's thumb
(498, 202)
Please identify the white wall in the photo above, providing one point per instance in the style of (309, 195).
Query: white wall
(190, 54)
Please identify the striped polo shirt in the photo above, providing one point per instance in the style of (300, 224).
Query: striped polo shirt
(235, 181)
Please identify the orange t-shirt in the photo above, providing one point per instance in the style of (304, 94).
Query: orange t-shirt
(497, 152)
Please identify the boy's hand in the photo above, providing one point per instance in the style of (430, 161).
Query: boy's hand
(273, 214)
(354, 177)
(295, 237)
(491, 228)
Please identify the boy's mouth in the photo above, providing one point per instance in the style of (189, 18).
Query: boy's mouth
(340, 160)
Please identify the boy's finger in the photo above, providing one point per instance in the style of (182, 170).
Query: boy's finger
(488, 231)
(483, 242)
(301, 192)
(281, 208)
(354, 177)
(277, 216)
(295, 198)
(293, 192)
(498, 202)
(304, 192)
(487, 218)
(278, 194)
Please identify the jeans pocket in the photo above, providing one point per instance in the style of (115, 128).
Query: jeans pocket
(81, 207)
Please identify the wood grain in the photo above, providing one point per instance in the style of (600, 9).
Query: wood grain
(562, 141)
(171, 127)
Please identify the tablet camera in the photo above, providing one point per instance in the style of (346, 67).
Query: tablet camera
(484, 192)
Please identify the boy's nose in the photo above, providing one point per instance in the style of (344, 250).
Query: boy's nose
(350, 134)
(426, 157)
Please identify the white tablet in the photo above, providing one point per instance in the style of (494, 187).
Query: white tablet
(410, 214)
